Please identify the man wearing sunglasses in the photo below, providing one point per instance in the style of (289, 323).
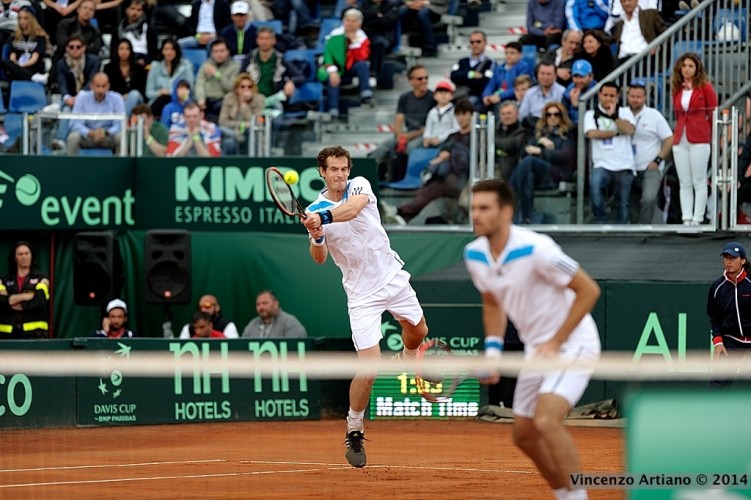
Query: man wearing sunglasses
(209, 304)
(74, 73)
(472, 74)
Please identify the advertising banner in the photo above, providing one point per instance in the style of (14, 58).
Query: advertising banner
(33, 401)
(201, 194)
(198, 395)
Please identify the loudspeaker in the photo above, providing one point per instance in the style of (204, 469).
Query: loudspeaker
(97, 268)
(167, 267)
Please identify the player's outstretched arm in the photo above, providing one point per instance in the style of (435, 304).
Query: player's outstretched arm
(350, 209)
(587, 292)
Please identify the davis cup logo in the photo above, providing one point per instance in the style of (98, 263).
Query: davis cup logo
(28, 190)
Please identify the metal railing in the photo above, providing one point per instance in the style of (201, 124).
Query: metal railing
(726, 62)
(65, 115)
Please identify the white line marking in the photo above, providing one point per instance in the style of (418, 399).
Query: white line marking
(320, 467)
(142, 464)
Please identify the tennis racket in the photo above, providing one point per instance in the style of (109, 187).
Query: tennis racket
(282, 194)
(437, 387)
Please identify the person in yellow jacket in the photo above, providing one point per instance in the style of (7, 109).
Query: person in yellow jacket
(24, 297)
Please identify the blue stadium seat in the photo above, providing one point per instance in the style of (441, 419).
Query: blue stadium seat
(96, 152)
(26, 97)
(196, 56)
(307, 56)
(418, 161)
(327, 24)
(2, 102)
(529, 54)
(13, 124)
(274, 24)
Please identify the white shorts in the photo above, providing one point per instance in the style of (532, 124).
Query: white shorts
(397, 297)
(569, 383)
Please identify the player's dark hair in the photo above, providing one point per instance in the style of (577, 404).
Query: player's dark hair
(201, 315)
(463, 106)
(332, 152)
(505, 194)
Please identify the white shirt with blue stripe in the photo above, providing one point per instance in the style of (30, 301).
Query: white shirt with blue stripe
(530, 281)
(359, 247)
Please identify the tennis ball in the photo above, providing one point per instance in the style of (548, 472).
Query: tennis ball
(28, 190)
(291, 177)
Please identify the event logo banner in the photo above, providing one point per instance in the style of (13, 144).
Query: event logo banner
(66, 193)
(217, 194)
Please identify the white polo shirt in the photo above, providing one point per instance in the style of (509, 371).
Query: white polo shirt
(359, 247)
(614, 154)
(651, 129)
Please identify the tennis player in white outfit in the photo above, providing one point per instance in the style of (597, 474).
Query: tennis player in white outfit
(344, 222)
(526, 277)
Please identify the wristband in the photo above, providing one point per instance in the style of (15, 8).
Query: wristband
(493, 346)
(658, 160)
(149, 140)
(196, 137)
(319, 242)
(326, 217)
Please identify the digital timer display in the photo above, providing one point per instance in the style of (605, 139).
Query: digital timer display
(397, 397)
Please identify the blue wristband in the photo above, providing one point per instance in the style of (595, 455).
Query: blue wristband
(326, 217)
(493, 346)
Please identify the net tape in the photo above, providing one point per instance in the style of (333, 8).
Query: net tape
(696, 365)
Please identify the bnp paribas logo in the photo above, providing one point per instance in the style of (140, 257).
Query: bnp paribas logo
(57, 209)
(27, 188)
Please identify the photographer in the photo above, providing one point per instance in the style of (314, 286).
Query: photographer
(610, 129)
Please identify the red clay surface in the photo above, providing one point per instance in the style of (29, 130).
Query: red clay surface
(406, 460)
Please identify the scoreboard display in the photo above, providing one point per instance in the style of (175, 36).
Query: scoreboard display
(397, 396)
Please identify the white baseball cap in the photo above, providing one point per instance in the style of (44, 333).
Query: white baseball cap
(117, 303)
(239, 7)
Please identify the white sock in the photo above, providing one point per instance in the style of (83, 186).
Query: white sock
(410, 353)
(566, 494)
(355, 420)
(561, 493)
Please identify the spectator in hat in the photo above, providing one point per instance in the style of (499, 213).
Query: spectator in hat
(114, 325)
(729, 311)
(240, 35)
(441, 121)
(583, 80)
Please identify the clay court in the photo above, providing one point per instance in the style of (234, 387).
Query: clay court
(408, 460)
